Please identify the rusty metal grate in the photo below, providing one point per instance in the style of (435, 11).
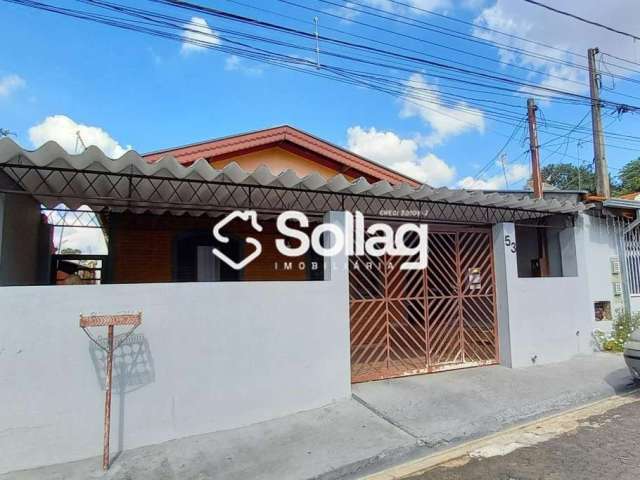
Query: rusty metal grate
(410, 322)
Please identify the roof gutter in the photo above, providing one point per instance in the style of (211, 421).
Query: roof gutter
(621, 203)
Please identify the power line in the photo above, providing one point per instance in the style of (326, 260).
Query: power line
(632, 62)
(418, 39)
(397, 17)
(422, 96)
(255, 22)
(207, 10)
(582, 19)
(308, 35)
(506, 34)
(292, 63)
(485, 28)
(491, 162)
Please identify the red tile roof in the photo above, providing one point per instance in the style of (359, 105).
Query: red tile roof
(291, 139)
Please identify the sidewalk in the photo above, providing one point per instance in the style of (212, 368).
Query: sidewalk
(387, 422)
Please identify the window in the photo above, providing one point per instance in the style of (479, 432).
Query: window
(195, 262)
(545, 249)
(602, 311)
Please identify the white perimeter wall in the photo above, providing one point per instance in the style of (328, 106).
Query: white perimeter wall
(600, 245)
(221, 356)
(550, 319)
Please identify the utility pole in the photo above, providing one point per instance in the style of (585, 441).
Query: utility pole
(602, 171)
(536, 176)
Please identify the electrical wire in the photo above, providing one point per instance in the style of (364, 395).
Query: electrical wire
(411, 37)
(485, 28)
(397, 17)
(440, 65)
(582, 19)
(376, 81)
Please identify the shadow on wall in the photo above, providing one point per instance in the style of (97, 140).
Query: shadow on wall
(132, 369)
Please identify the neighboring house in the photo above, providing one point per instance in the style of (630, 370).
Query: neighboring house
(511, 280)
(630, 196)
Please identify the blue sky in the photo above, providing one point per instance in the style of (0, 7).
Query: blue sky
(149, 93)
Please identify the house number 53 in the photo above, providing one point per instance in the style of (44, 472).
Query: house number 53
(511, 245)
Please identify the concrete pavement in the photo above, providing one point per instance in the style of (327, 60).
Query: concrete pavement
(321, 442)
(387, 422)
(440, 409)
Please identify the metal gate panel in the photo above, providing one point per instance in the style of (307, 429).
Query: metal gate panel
(445, 333)
(445, 326)
(478, 306)
(405, 322)
(407, 331)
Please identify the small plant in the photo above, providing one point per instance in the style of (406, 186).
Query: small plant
(623, 326)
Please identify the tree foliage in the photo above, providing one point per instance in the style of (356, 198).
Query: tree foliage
(630, 177)
(566, 176)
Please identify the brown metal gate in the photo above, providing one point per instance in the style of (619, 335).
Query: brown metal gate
(419, 321)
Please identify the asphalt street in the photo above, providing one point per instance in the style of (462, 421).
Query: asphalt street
(602, 447)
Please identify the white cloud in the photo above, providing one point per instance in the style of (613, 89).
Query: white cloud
(351, 10)
(198, 31)
(430, 4)
(445, 120)
(234, 63)
(10, 83)
(473, 4)
(347, 12)
(538, 24)
(399, 154)
(390, 6)
(515, 173)
(63, 130)
(87, 240)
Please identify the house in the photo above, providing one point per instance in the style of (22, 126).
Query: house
(510, 279)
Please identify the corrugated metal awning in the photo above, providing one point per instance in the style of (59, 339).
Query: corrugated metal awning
(130, 183)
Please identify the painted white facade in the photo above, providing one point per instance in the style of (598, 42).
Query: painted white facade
(540, 320)
(214, 356)
(550, 319)
(601, 247)
(223, 355)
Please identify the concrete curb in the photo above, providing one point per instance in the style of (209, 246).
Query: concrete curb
(425, 463)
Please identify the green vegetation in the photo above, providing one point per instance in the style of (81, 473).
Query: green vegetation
(630, 177)
(623, 326)
(566, 176)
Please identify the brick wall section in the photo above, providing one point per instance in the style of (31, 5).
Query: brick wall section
(263, 267)
(143, 257)
(143, 248)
